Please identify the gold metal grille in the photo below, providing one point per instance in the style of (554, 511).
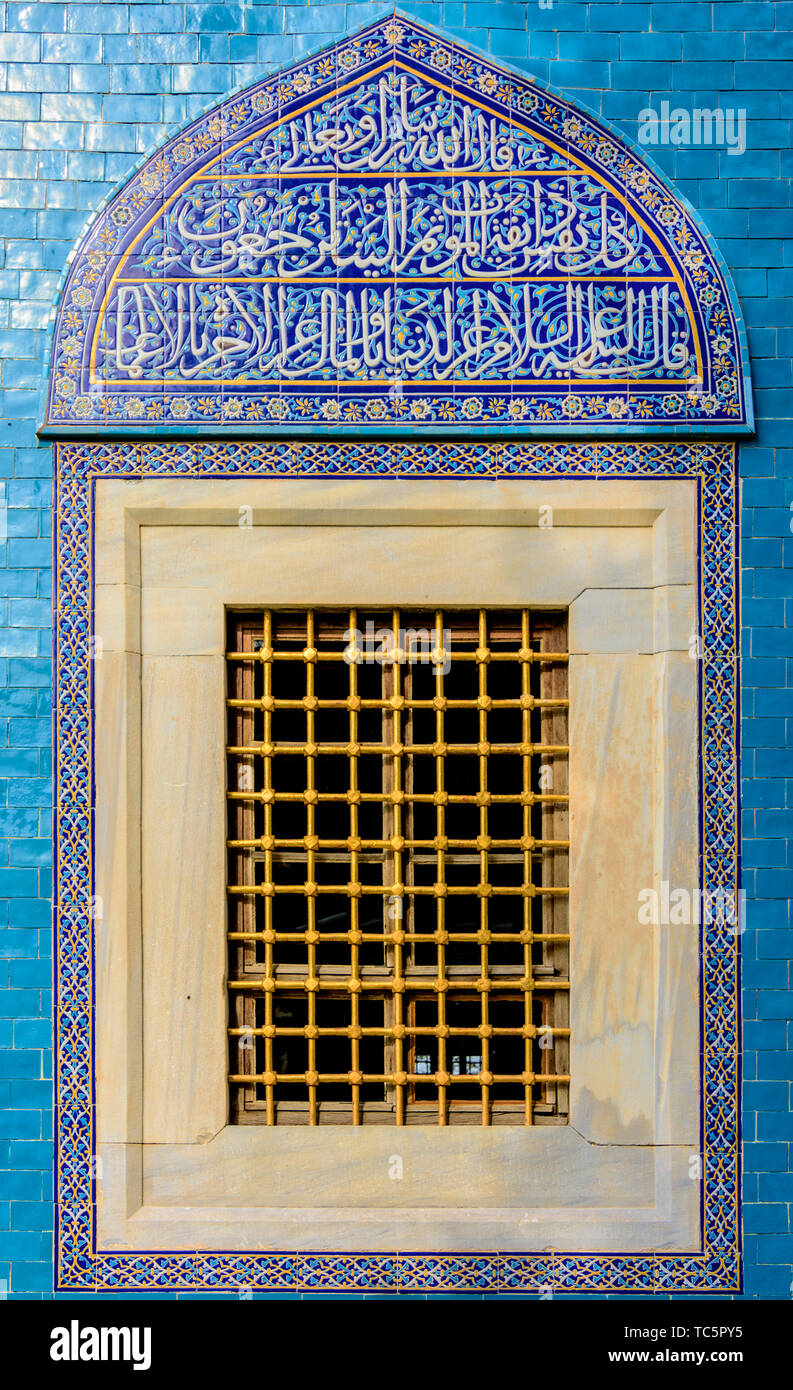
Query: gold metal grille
(398, 867)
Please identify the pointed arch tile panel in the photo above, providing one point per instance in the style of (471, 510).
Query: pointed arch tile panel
(397, 232)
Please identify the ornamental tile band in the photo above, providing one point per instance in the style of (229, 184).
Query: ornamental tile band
(397, 232)
(713, 1268)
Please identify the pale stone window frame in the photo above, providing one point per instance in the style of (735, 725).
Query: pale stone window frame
(622, 557)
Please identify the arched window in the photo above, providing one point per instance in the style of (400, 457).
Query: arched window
(394, 403)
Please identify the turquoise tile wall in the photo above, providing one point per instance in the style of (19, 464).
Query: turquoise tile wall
(85, 89)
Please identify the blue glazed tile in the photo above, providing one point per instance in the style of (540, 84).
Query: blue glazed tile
(30, 77)
(51, 135)
(73, 49)
(214, 48)
(242, 48)
(26, 853)
(32, 1215)
(60, 106)
(19, 1245)
(204, 77)
(270, 19)
(105, 18)
(18, 642)
(204, 18)
(120, 48)
(127, 109)
(10, 135)
(19, 48)
(167, 48)
(141, 78)
(620, 19)
(22, 1185)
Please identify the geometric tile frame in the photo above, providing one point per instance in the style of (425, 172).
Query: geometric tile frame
(716, 1268)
